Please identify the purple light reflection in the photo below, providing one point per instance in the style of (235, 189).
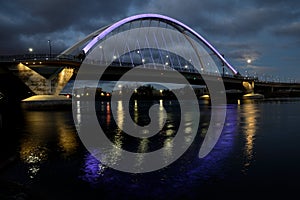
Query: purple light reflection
(93, 169)
(180, 178)
(217, 161)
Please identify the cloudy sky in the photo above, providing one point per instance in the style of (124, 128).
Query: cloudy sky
(265, 31)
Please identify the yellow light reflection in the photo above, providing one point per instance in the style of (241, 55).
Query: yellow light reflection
(33, 153)
(33, 150)
(67, 141)
(42, 130)
(249, 113)
(136, 111)
(120, 114)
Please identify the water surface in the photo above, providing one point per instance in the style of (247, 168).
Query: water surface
(258, 151)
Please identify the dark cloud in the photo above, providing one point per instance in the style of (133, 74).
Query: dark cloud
(239, 51)
(288, 30)
(240, 29)
(27, 23)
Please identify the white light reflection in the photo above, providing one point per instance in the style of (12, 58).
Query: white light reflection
(188, 119)
(142, 148)
(161, 115)
(120, 115)
(168, 150)
(78, 114)
(113, 155)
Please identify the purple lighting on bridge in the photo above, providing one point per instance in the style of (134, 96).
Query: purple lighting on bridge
(157, 16)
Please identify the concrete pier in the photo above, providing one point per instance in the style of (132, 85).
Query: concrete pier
(47, 102)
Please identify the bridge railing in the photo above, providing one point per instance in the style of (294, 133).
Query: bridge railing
(39, 57)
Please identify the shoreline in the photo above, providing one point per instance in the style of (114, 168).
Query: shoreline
(61, 102)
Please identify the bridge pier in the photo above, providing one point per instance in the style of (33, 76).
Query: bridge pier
(43, 85)
(249, 87)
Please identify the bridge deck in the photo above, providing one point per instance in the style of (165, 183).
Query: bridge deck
(115, 72)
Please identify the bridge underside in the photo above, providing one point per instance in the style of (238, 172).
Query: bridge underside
(43, 79)
(114, 73)
(51, 78)
(12, 87)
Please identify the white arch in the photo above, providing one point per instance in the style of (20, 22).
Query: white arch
(155, 16)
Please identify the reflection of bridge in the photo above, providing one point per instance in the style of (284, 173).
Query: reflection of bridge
(152, 41)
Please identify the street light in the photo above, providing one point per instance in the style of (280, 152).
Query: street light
(49, 42)
(30, 50)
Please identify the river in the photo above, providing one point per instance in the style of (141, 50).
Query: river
(258, 152)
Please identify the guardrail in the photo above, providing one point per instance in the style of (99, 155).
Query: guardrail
(39, 57)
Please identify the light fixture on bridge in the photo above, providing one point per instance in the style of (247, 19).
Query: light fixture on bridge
(30, 49)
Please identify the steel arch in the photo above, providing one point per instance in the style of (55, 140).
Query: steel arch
(168, 20)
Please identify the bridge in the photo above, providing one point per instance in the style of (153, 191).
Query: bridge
(45, 66)
(114, 72)
(150, 41)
